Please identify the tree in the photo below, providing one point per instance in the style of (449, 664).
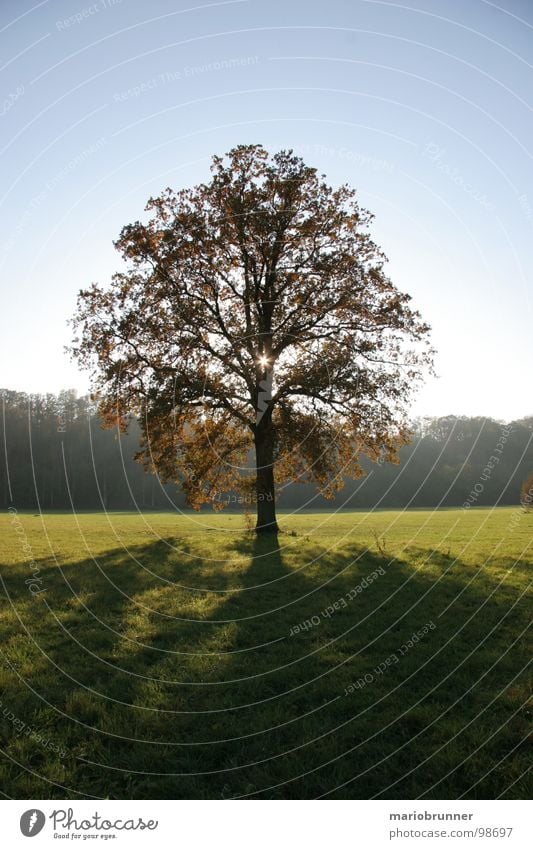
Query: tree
(254, 314)
(526, 493)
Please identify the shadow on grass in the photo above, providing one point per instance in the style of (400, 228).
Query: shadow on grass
(272, 676)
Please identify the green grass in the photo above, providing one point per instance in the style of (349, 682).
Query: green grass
(159, 659)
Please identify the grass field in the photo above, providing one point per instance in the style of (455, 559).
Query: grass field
(164, 656)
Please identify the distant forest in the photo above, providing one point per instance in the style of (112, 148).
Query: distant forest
(57, 457)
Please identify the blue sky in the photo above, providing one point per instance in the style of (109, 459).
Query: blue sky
(425, 107)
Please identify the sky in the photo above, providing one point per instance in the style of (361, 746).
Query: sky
(426, 107)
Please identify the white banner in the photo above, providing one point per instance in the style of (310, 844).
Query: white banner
(266, 824)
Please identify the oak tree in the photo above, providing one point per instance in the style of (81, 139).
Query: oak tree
(254, 319)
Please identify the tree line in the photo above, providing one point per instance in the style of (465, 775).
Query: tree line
(58, 457)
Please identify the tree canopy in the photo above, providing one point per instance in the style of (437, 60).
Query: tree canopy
(254, 313)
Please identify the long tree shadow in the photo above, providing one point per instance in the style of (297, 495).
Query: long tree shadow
(290, 671)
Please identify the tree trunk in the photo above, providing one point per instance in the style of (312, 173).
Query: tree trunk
(264, 462)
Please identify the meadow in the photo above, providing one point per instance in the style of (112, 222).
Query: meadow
(359, 655)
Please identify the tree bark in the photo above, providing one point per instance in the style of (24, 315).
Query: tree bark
(265, 492)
